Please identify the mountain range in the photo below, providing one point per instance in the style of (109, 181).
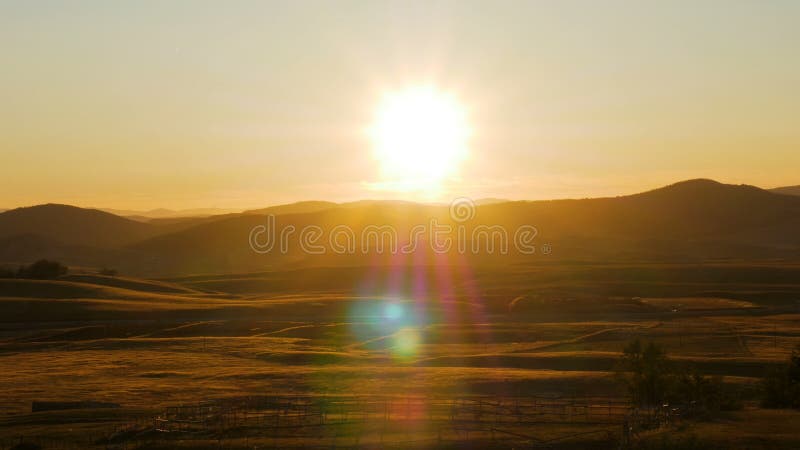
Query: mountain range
(163, 213)
(695, 220)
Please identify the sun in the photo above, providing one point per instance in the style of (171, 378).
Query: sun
(419, 137)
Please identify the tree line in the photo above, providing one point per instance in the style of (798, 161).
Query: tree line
(42, 269)
(652, 379)
(45, 269)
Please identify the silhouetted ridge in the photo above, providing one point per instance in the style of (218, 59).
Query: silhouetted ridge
(73, 225)
(693, 219)
(706, 188)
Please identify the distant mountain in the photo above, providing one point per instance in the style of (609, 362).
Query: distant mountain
(223, 245)
(490, 200)
(691, 220)
(91, 237)
(695, 220)
(80, 236)
(162, 213)
(787, 190)
(294, 208)
(73, 226)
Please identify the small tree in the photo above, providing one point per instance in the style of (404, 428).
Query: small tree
(645, 371)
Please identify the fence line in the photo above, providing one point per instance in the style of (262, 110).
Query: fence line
(301, 418)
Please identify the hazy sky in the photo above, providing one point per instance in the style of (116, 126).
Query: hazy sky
(145, 104)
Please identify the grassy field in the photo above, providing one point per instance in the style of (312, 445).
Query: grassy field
(146, 345)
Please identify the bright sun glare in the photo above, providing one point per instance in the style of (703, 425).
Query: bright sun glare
(419, 136)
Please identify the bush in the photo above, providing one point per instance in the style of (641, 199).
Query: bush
(781, 386)
(42, 270)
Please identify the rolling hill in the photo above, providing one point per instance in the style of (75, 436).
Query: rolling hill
(694, 220)
(787, 190)
(76, 236)
(73, 226)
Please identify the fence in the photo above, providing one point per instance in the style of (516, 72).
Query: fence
(348, 421)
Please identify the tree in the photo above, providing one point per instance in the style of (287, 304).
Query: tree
(781, 386)
(42, 270)
(646, 372)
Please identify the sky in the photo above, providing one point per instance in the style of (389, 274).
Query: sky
(241, 104)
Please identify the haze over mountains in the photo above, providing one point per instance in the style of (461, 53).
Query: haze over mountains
(694, 220)
(163, 213)
(788, 190)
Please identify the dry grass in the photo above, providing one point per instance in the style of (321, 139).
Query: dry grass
(166, 344)
(751, 428)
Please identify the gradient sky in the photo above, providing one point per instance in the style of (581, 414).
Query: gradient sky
(146, 104)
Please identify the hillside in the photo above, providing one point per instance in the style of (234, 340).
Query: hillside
(787, 190)
(701, 209)
(696, 219)
(73, 226)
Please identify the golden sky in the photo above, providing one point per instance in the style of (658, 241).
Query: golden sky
(244, 104)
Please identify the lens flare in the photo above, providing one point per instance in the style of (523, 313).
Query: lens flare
(406, 342)
(393, 311)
